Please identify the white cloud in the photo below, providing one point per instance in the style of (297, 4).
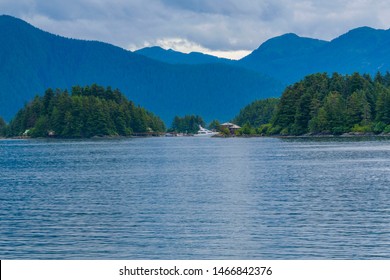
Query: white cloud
(211, 25)
(186, 46)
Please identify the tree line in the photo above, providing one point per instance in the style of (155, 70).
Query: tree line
(3, 126)
(318, 104)
(187, 124)
(257, 113)
(86, 112)
(322, 104)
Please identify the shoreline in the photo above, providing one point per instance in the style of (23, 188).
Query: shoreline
(314, 136)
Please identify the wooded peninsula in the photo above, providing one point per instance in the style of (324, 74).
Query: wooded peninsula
(86, 112)
(323, 105)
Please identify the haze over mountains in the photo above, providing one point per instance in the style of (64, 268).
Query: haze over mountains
(170, 83)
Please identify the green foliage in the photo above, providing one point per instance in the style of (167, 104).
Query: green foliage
(379, 127)
(302, 115)
(333, 105)
(284, 131)
(89, 111)
(358, 109)
(225, 131)
(383, 105)
(215, 125)
(187, 124)
(361, 128)
(274, 130)
(257, 113)
(3, 126)
(264, 129)
(247, 129)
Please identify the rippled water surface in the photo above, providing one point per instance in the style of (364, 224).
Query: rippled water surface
(191, 198)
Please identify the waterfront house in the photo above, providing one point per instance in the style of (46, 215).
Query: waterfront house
(231, 126)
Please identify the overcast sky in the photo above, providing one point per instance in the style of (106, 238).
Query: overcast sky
(229, 28)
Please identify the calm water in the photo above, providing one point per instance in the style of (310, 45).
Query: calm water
(191, 198)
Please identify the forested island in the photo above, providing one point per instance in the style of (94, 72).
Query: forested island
(323, 105)
(87, 112)
(318, 105)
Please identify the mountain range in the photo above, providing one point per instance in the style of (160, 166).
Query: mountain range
(32, 60)
(171, 83)
(175, 57)
(289, 57)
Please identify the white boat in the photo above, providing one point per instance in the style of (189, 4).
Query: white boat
(203, 132)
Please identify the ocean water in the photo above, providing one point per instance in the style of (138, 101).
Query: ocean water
(194, 198)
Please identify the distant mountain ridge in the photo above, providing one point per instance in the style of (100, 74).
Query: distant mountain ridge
(363, 50)
(171, 83)
(175, 57)
(289, 57)
(281, 57)
(32, 60)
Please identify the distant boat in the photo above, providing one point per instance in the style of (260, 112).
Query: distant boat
(203, 132)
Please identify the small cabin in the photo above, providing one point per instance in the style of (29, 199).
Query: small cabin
(231, 126)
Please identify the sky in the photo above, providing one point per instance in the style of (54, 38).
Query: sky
(225, 28)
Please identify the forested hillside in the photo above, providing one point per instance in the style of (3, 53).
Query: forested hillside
(257, 113)
(320, 104)
(33, 60)
(86, 112)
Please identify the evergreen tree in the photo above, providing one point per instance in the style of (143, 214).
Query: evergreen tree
(214, 125)
(286, 110)
(337, 83)
(257, 113)
(355, 103)
(358, 109)
(319, 123)
(302, 115)
(383, 106)
(3, 126)
(335, 113)
(89, 111)
(187, 124)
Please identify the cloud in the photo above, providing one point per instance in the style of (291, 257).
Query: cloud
(217, 25)
(186, 46)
